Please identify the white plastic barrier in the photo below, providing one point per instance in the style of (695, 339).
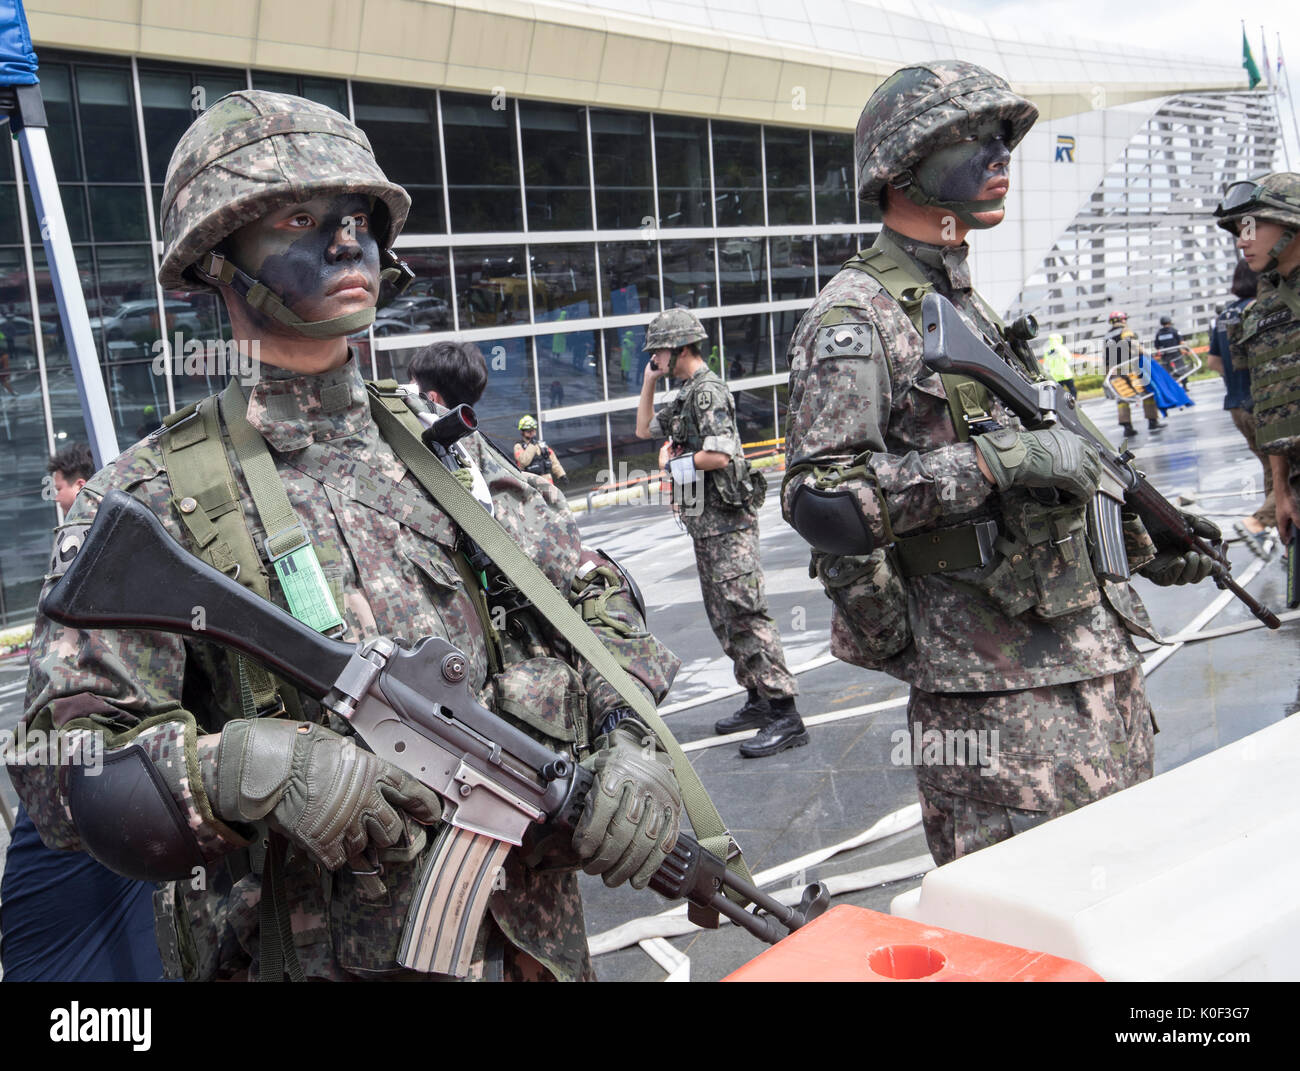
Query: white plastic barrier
(1191, 876)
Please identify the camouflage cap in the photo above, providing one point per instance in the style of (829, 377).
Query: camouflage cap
(919, 109)
(674, 328)
(1274, 198)
(253, 152)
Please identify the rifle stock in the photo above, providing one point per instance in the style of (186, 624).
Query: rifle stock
(951, 346)
(412, 707)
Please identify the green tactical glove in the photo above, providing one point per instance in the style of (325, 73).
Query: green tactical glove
(1184, 567)
(633, 812)
(1049, 457)
(318, 788)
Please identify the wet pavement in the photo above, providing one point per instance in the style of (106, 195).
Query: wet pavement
(1205, 694)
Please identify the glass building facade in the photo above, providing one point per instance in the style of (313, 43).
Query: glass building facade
(548, 234)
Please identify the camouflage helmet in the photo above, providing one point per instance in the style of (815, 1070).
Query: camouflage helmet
(919, 109)
(253, 152)
(1274, 198)
(527, 423)
(673, 329)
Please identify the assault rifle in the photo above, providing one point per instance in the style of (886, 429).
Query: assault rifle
(409, 705)
(951, 346)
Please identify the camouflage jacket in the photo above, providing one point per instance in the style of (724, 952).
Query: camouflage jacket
(883, 400)
(1268, 338)
(702, 416)
(393, 562)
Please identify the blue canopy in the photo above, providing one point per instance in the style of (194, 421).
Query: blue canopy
(17, 57)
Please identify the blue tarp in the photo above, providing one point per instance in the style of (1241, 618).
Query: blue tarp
(17, 57)
(1168, 394)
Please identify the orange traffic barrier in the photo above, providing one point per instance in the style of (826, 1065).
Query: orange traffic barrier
(852, 944)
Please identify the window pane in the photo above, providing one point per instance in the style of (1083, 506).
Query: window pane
(634, 459)
(200, 316)
(564, 282)
(742, 264)
(785, 323)
(491, 286)
(568, 367)
(11, 232)
(620, 146)
(689, 278)
(327, 91)
(108, 130)
(833, 166)
(738, 174)
(755, 417)
(792, 268)
(682, 153)
(833, 250)
(629, 275)
(580, 445)
(402, 125)
(624, 360)
(173, 98)
(557, 181)
(168, 110)
(748, 349)
(425, 305)
(482, 163)
(73, 197)
(28, 514)
(117, 213)
(56, 92)
(789, 197)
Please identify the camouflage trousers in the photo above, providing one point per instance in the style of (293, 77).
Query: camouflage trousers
(1149, 410)
(990, 765)
(731, 578)
(1244, 419)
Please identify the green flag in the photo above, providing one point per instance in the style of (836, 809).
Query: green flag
(1248, 61)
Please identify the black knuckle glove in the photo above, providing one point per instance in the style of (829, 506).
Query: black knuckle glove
(1173, 565)
(319, 789)
(1049, 457)
(632, 814)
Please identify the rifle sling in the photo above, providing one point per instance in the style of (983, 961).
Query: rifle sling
(391, 414)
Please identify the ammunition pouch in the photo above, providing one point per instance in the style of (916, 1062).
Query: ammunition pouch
(870, 623)
(546, 696)
(734, 484)
(1043, 563)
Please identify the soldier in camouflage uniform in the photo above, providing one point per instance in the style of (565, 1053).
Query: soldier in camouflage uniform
(950, 541)
(1265, 217)
(278, 203)
(718, 498)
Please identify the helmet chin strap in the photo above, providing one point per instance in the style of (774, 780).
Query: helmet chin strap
(1279, 249)
(910, 186)
(215, 268)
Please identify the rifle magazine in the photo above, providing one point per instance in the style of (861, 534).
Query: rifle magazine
(450, 901)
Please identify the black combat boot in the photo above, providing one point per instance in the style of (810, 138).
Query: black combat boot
(753, 715)
(1154, 425)
(784, 731)
(1127, 431)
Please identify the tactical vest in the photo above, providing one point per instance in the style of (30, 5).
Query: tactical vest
(541, 464)
(194, 443)
(1042, 561)
(1269, 334)
(734, 485)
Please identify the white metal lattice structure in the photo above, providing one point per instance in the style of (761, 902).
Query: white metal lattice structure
(1146, 241)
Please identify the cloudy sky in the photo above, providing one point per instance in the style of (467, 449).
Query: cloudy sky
(1210, 28)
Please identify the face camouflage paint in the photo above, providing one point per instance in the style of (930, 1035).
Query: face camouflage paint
(960, 172)
(302, 255)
